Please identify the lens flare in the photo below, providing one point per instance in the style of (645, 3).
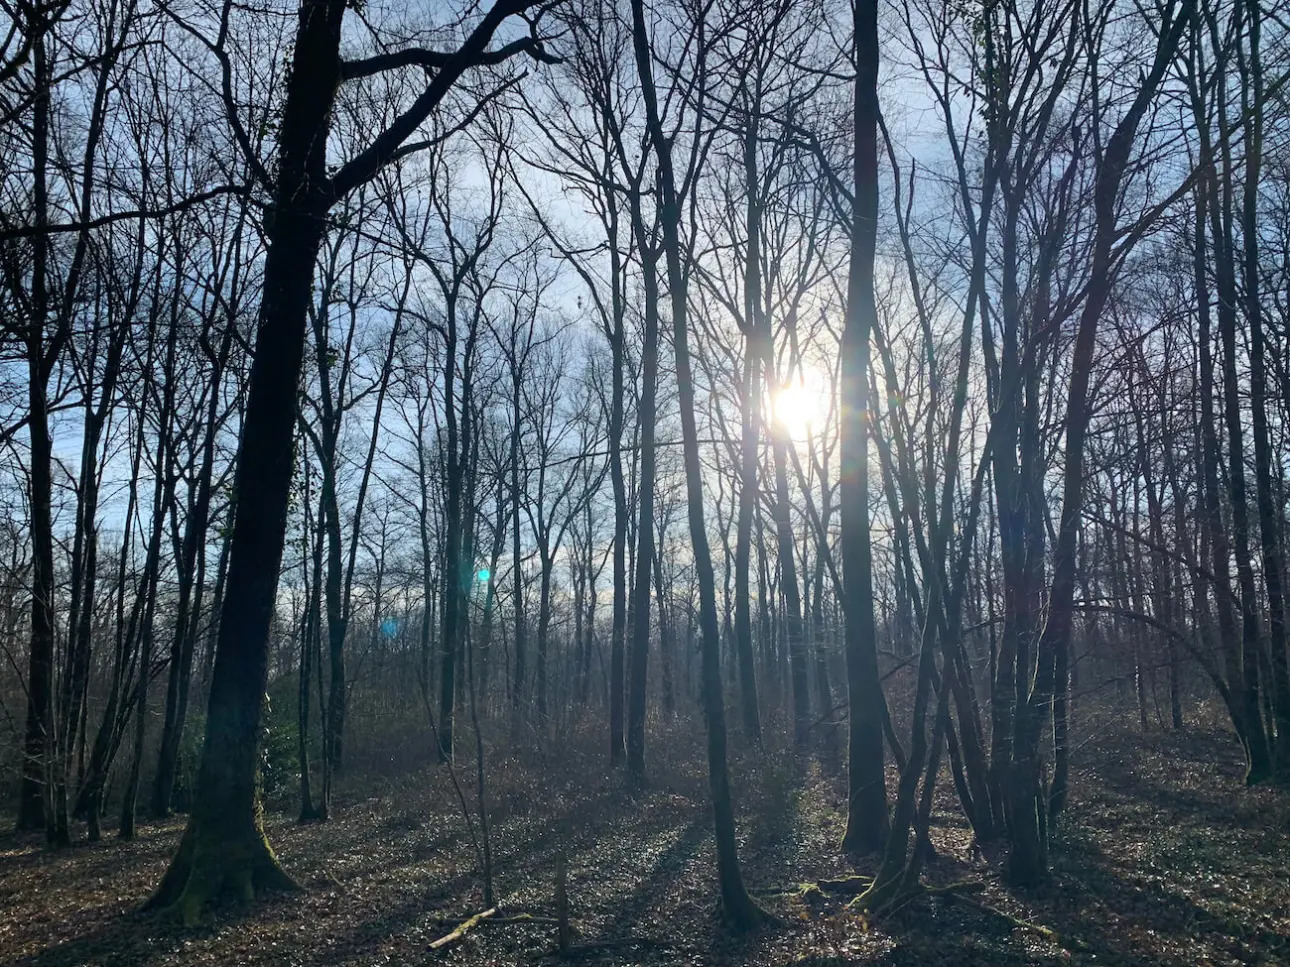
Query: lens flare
(799, 409)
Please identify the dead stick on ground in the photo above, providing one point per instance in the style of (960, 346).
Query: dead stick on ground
(846, 886)
(1048, 933)
(464, 928)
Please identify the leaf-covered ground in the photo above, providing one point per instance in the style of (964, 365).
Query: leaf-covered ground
(1165, 858)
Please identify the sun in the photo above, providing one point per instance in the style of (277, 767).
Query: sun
(798, 409)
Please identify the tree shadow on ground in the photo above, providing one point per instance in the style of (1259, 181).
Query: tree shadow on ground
(136, 939)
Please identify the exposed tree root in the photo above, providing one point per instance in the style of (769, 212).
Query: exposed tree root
(208, 867)
(524, 918)
(846, 885)
(747, 917)
(889, 897)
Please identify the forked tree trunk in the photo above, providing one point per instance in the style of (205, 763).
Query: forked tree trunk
(1028, 858)
(737, 906)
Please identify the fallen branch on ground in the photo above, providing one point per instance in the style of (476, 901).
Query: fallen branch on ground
(463, 928)
(1038, 929)
(843, 886)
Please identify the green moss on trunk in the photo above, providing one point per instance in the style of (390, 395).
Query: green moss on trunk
(211, 865)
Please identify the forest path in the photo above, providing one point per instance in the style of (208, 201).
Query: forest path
(1165, 858)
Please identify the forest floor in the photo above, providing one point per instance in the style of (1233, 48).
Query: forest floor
(1163, 858)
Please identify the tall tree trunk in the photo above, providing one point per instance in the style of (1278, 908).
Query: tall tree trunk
(645, 549)
(794, 625)
(192, 571)
(224, 847)
(309, 646)
(750, 422)
(618, 629)
(1250, 730)
(1028, 858)
(454, 580)
(737, 905)
(665, 619)
(867, 783)
(39, 738)
(517, 565)
(89, 798)
(1217, 179)
(1252, 98)
(163, 494)
(547, 565)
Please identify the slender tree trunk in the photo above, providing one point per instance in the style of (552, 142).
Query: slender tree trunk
(544, 632)
(192, 571)
(750, 423)
(618, 630)
(665, 619)
(867, 784)
(38, 740)
(517, 566)
(453, 579)
(645, 550)
(162, 498)
(1269, 519)
(309, 646)
(737, 905)
(1250, 730)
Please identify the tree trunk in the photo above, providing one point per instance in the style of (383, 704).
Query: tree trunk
(645, 550)
(737, 905)
(1028, 859)
(1269, 519)
(867, 784)
(224, 847)
(39, 738)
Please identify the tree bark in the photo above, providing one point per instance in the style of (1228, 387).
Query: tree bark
(867, 784)
(737, 906)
